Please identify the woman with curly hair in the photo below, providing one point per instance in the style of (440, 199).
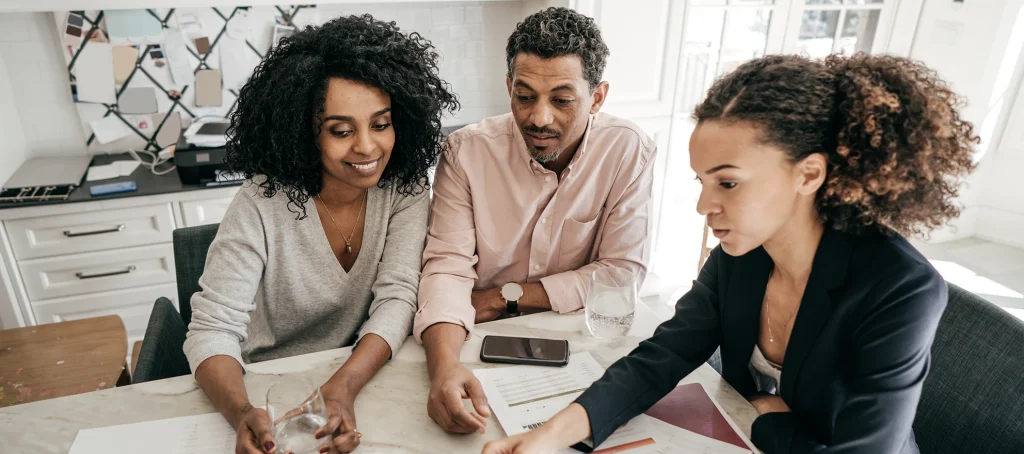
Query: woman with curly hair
(321, 248)
(812, 174)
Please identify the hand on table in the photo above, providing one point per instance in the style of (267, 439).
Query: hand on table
(769, 404)
(253, 435)
(445, 407)
(534, 442)
(489, 304)
(339, 434)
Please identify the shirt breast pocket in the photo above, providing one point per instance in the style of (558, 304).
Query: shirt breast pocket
(577, 242)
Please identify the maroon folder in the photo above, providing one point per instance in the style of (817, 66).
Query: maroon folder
(689, 407)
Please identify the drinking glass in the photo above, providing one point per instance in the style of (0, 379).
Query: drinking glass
(611, 302)
(297, 410)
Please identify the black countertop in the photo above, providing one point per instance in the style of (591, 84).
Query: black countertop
(148, 184)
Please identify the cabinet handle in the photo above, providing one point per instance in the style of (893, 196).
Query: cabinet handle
(71, 234)
(82, 275)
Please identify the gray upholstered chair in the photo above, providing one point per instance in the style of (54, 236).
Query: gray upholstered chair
(161, 355)
(973, 398)
(190, 247)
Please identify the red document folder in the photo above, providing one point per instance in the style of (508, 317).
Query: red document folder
(689, 407)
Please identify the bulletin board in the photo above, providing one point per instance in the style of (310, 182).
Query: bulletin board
(136, 76)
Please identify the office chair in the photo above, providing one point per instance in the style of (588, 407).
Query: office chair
(161, 355)
(972, 399)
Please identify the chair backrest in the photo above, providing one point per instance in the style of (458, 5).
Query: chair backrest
(190, 247)
(972, 400)
(161, 355)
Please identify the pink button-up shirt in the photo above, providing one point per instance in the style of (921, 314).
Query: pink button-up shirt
(498, 216)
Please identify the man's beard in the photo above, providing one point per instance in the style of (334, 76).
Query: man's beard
(544, 156)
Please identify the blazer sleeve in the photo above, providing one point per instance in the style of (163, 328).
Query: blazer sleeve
(891, 357)
(680, 345)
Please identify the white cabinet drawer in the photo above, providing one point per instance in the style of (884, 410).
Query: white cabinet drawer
(202, 212)
(68, 275)
(132, 305)
(93, 231)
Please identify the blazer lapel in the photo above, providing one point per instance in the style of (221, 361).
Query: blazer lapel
(741, 314)
(828, 271)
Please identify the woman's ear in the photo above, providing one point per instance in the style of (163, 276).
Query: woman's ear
(811, 173)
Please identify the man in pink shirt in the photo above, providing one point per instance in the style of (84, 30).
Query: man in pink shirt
(528, 204)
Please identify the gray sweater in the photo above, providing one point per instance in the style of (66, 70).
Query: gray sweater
(272, 287)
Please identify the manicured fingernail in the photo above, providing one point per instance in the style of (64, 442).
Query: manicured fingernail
(323, 450)
(268, 446)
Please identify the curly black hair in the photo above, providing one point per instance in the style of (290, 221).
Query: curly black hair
(896, 146)
(274, 128)
(555, 32)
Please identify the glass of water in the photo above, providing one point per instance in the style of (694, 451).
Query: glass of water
(611, 302)
(297, 410)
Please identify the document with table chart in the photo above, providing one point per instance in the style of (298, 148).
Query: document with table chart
(525, 397)
(202, 434)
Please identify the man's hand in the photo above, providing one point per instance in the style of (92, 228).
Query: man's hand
(445, 407)
(489, 304)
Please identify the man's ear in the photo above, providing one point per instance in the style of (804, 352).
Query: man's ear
(600, 94)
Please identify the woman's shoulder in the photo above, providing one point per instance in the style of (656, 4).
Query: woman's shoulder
(895, 270)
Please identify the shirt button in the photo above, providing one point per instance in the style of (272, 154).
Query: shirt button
(536, 267)
(543, 220)
(547, 179)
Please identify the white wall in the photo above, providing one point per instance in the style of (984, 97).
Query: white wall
(12, 139)
(968, 48)
(470, 36)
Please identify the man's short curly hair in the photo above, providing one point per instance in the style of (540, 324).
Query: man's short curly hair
(274, 129)
(555, 32)
(896, 146)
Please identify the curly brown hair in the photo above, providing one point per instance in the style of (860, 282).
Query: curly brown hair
(558, 31)
(896, 146)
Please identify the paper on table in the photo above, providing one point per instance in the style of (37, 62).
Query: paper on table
(525, 397)
(109, 129)
(94, 73)
(103, 172)
(203, 434)
(125, 168)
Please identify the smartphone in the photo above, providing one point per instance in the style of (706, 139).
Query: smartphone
(525, 350)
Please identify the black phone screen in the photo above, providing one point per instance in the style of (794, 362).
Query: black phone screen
(525, 348)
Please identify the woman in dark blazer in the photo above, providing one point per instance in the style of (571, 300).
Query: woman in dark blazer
(812, 173)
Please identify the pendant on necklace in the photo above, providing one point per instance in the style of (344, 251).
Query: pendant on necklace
(348, 248)
(771, 339)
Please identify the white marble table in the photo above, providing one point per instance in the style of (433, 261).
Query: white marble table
(391, 410)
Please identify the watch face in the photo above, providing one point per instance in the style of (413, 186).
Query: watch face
(511, 291)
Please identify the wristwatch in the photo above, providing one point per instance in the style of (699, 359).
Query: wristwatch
(512, 292)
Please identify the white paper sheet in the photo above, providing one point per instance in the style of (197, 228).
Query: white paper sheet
(178, 57)
(109, 129)
(132, 26)
(203, 434)
(104, 172)
(237, 61)
(94, 73)
(524, 397)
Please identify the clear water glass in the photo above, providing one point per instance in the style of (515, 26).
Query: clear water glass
(611, 302)
(297, 411)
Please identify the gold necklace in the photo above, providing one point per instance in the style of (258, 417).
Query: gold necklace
(768, 313)
(348, 240)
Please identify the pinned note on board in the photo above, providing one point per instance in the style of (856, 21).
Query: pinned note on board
(137, 100)
(209, 91)
(94, 74)
(170, 131)
(109, 129)
(202, 45)
(236, 62)
(125, 58)
(177, 56)
(75, 25)
(132, 26)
